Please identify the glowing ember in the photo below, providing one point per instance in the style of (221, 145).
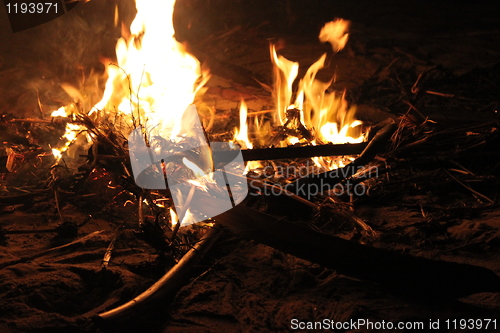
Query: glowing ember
(57, 154)
(74, 133)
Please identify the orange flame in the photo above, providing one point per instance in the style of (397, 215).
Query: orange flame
(327, 115)
(241, 135)
(335, 33)
(285, 72)
(155, 79)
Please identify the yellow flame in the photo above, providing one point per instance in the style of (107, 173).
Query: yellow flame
(335, 33)
(73, 133)
(61, 112)
(242, 138)
(156, 79)
(263, 129)
(285, 72)
(173, 217)
(241, 135)
(116, 17)
(188, 218)
(57, 154)
(328, 114)
(198, 172)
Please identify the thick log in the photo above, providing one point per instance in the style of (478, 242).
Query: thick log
(403, 274)
(20, 198)
(303, 152)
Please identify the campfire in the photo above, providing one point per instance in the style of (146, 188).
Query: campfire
(155, 168)
(147, 100)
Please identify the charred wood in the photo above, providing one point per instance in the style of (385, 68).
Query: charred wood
(403, 274)
(294, 152)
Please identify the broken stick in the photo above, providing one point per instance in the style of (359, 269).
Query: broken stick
(49, 251)
(403, 274)
(170, 282)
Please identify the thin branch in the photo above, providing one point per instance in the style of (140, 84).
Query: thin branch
(49, 251)
(470, 188)
(111, 247)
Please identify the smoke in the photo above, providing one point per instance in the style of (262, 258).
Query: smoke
(66, 51)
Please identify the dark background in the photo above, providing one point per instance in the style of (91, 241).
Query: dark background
(70, 49)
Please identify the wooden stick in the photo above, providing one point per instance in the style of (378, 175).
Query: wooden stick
(20, 198)
(28, 120)
(430, 92)
(400, 273)
(170, 282)
(292, 152)
(256, 113)
(140, 211)
(111, 247)
(261, 154)
(56, 199)
(470, 188)
(20, 232)
(49, 251)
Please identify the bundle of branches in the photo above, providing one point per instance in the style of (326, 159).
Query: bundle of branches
(445, 159)
(84, 180)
